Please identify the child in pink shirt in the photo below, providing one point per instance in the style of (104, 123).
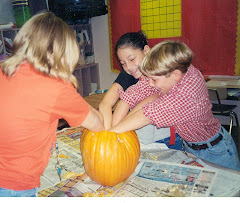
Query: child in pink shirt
(183, 103)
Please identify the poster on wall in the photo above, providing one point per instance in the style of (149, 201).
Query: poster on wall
(209, 28)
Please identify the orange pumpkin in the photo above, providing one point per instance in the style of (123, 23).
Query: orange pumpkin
(109, 158)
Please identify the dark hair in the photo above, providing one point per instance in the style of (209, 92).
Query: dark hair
(136, 40)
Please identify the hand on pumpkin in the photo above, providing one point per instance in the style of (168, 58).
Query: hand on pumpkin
(93, 121)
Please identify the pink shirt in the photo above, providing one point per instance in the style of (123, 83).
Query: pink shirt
(186, 106)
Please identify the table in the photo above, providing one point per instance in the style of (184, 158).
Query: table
(227, 182)
(223, 82)
(94, 99)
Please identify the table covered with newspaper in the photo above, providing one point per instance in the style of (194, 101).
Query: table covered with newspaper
(161, 172)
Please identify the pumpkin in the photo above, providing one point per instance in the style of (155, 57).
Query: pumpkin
(108, 157)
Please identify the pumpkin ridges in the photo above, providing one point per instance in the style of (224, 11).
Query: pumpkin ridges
(136, 149)
(98, 166)
(121, 164)
(104, 151)
(120, 152)
(85, 150)
(112, 172)
(130, 143)
(128, 155)
(113, 161)
(97, 149)
(124, 157)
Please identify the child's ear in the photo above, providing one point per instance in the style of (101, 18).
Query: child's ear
(177, 74)
(146, 49)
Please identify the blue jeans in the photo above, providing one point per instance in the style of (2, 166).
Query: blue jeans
(177, 145)
(223, 154)
(18, 193)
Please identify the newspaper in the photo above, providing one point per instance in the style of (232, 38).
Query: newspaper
(70, 159)
(226, 184)
(160, 172)
(155, 179)
(164, 179)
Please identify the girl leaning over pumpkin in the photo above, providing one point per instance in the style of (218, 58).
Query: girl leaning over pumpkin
(37, 89)
(183, 103)
(130, 50)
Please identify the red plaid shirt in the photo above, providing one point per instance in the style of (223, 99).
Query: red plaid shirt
(186, 106)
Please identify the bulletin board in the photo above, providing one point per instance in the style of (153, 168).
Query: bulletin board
(161, 18)
(208, 27)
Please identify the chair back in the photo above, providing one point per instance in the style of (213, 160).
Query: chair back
(217, 94)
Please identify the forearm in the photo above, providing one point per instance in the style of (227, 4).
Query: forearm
(98, 113)
(143, 102)
(106, 105)
(93, 121)
(106, 112)
(132, 122)
(120, 112)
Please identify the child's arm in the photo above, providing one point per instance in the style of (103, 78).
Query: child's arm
(143, 102)
(106, 105)
(93, 121)
(120, 112)
(122, 109)
(135, 121)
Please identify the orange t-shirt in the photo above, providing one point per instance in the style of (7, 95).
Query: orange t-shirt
(31, 105)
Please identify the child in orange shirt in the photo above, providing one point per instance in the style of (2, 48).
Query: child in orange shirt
(37, 88)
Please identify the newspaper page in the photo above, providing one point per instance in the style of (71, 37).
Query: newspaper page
(162, 179)
(90, 188)
(173, 156)
(153, 179)
(226, 184)
(69, 158)
(73, 184)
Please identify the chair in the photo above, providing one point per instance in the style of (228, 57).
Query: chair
(217, 94)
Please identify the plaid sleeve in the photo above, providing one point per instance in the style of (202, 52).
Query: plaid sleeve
(182, 104)
(136, 93)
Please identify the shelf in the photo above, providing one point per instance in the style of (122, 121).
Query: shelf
(88, 78)
(6, 36)
(87, 74)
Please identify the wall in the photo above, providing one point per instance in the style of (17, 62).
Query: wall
(209, 28)
(100, 41)
(102, 50)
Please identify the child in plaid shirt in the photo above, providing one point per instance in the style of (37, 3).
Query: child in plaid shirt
(183, 103)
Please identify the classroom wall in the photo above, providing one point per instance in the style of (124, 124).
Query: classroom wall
(100, 31)
(100, 42)
(208, 27)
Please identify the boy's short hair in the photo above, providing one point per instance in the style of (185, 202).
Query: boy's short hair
(166, 57)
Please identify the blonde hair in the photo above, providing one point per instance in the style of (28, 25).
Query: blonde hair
(166, 57)
(48, 43)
